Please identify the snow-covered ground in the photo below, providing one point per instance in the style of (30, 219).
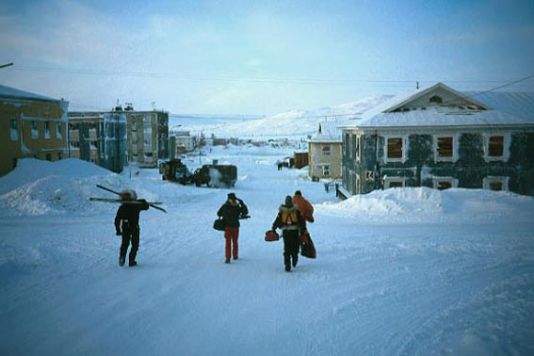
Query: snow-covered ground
(398, 272)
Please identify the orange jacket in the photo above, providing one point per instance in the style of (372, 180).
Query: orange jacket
(304, 206)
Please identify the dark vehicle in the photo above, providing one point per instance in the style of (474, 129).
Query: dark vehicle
(215, 175)
(175, 171)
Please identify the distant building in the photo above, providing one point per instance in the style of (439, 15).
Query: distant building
(148, 136)
(438, 137)
(324, 150)
(184, 141)
(300, 159)
(99, 138)
(31, 126)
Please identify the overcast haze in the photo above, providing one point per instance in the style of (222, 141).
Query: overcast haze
(252, 57)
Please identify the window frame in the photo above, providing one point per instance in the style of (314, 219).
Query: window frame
(325, 170)
(404, 148)
(389, 180)
(436, 180)
(454, 153)
(326, 148)
(505, 147)
(504, 180)
(13, 130)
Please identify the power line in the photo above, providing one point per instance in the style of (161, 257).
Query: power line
(176, 76)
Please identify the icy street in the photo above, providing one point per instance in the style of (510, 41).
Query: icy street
(399, 272)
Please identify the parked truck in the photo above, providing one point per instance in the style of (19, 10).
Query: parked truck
(212, 175)
(175, 171)
(215, 175)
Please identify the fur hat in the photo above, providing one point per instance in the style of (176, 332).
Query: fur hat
(231, 196)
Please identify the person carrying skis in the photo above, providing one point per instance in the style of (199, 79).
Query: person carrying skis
(292, 224)
(231, 211)
(127, 225)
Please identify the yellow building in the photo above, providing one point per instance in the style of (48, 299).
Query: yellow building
(31, 126)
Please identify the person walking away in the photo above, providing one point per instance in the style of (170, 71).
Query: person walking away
(292, 224)
(304, 206)
(127, 225)
(231, 211)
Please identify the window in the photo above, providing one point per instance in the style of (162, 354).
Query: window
(393, 182)
(442, 183)
(357, 148)
(60, 155)
(394, 149)
(495, 146)
(495, 183)
(13, 132)
(326, 171)
(444, 148)
(35, 130)
(47, 129)
(48, 156)
(59, 134)
(326, 150)
(436, 99)
(346, 144)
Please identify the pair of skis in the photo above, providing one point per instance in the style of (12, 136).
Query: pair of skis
(107, 200)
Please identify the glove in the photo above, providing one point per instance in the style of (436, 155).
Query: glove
(118, 233)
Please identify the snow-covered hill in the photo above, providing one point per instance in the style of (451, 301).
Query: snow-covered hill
(292, 124)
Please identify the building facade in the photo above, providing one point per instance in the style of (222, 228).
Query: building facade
(441, 138)
(148, 137)
(324, 152)
(31, 126)
(99, 138)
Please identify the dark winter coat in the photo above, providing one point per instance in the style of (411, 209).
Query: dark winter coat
(231, 213)
(128, 214)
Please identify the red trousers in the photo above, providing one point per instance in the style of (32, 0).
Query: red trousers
(231, 234)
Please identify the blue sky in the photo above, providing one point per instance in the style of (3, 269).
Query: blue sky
(259, 57)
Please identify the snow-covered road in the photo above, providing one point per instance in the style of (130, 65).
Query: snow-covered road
(387, 281)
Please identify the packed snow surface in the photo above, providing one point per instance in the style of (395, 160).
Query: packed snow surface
(398, 272)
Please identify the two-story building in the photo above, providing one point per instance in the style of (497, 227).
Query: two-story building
(324, 151)
(31, 126)
(439, 137)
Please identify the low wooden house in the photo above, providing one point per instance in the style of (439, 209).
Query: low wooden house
(439, 137)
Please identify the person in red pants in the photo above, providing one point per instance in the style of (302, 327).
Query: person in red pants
(231, 211)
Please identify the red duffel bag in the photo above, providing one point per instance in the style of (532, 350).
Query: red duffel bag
(271, 235)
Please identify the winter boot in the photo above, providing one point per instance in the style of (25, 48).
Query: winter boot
(132, 263)
(122, 260)
(295, 259)
(288, 268)
(235, 257)
(227, 260)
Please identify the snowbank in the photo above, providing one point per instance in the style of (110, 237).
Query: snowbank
(38, 187)
(30, 170)
(426, 204)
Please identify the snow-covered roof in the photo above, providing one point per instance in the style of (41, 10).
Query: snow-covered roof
(489, 108)
(329, 131)
(12, 93)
